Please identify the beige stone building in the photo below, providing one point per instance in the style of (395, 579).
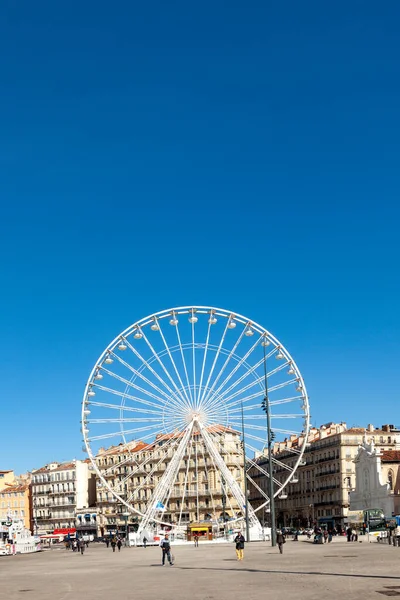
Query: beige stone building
(15, 504)
(320, 491)
(58, 490)
(198, 494)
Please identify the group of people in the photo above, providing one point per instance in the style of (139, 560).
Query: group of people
(322, 536)
(77, 545)
(352, 534)
(116, 542)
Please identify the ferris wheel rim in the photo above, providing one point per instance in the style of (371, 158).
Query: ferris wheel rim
(185, 310)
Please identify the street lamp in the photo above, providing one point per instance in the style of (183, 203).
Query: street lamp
(270, 437)
(126, 515)
(246, 500)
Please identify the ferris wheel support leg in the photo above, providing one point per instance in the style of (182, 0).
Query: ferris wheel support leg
(254, 523)
(164, 486)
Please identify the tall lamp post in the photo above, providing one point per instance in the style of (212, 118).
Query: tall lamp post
(246, 499)
(270, 436)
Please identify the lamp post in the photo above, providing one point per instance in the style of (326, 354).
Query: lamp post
(246, 500)
(126, 515)
(270, 436)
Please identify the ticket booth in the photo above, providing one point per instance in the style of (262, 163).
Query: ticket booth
(202, 530)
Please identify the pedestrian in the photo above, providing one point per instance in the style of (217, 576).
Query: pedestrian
(107, 542)
(113, 543)
(280, 540)
(196, 540)
(82, 546)
(144, 542)
(330, 533)
(325, 536)
(239, 541)
(119, 544)
(165, 546)
(74, 546)
(349, 533)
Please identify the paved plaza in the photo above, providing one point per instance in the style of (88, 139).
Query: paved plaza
(210, 572)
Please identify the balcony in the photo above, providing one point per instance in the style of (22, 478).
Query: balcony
(62, 503)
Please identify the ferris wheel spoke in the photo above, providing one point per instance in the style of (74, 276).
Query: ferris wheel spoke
(217, 354)
(129, 396)
(209, 482)
(283, 465)
(221, 395)
(259, 380)
(223, 486)
(120, 433)
(123, 420)
(194, 364)
(204, 361)
(185, 482)
(263, 471)
(235, 489)
(287, 431)
(222, 370)
(139, 374)
(187, 401)
(166, 480)
(152, 471)
(148, 366)
(285, 400)
(178, 393)
(184, 362)
(218, 393)
(133, 385)
(124, 408)
(258, 487)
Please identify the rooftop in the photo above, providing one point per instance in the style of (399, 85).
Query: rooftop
(390, 456)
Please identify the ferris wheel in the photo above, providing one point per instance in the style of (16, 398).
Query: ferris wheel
(169, 402)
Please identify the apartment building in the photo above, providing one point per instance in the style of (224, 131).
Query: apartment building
(197, 494)
(15, 505)
(319, 494)
(58, 490)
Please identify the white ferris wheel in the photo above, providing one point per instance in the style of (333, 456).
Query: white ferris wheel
(180, 376)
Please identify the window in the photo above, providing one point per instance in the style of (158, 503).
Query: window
(390, 479)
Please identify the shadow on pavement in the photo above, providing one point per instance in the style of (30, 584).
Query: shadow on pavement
(356, 575)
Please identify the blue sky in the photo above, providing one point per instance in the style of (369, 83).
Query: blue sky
(161, 154)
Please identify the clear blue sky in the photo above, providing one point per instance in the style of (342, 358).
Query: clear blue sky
(243, 155)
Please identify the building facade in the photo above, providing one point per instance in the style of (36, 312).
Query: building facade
(320, 492)
(197, 494)
(15, 505)
(58, 490)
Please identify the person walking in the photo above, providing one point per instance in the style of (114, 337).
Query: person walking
(280, 540)
(239, 541)
(349, 534)
(165, 546)
(81, 546)
(119, 544)
(325, 536)
(107, 542)
(113, 543)
(145, 542)
(196, 540)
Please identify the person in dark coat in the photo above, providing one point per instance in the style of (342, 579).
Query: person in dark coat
(239, 541)
(280, 540)
(119, 544)
(165, 546)
(113, 543)
(144, 542)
